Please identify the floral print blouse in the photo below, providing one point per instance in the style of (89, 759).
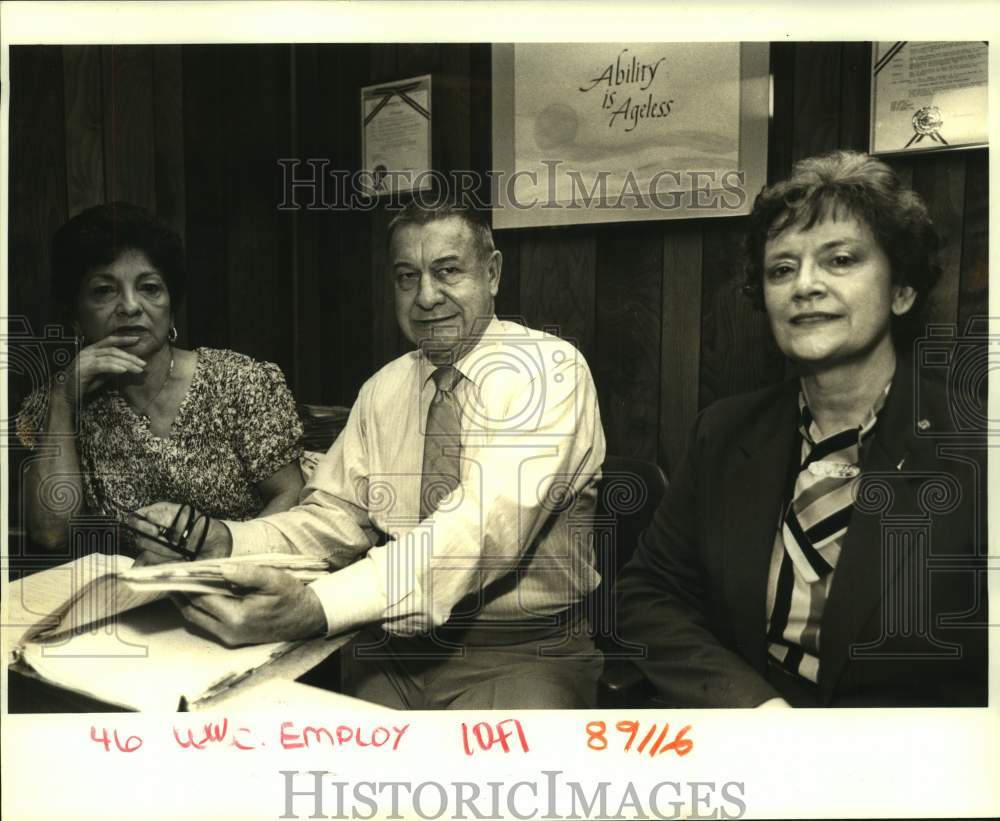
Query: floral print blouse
(236, 426)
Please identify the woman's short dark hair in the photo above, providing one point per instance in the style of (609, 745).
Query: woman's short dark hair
(99, 235)
(846, 182)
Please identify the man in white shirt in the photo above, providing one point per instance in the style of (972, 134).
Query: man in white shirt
(458, 502)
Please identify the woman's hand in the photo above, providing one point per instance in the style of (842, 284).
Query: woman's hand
(165, 521)
(46, 514)
(94, 365)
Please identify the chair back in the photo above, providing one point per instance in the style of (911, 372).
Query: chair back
(321, 425)
(629, 492)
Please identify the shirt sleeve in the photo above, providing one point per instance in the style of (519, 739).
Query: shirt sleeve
(31, 417)
(270, 432)
(331, 519)
(482, 530)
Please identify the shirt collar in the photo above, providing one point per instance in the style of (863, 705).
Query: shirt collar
(812, 434)
(468, 364)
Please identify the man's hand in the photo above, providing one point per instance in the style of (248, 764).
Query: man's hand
(161, 520)
(274, 606)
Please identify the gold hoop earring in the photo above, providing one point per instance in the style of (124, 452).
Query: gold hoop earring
(172, 334)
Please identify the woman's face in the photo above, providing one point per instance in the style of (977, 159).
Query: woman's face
(128, 297)
(829, 293)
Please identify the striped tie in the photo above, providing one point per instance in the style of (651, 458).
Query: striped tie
(442, 442)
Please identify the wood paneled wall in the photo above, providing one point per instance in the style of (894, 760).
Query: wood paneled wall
(196, 132)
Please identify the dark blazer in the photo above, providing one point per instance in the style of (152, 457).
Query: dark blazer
(904, 623)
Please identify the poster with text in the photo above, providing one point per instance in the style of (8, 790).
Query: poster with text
(603, 132)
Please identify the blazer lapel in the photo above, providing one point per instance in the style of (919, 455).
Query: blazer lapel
(754, 487)
(865, 571)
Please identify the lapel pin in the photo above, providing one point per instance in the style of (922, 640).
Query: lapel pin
(924, 424)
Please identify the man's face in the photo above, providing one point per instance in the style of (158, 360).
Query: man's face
(444, 289)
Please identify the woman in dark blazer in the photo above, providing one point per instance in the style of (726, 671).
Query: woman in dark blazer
(822, 541)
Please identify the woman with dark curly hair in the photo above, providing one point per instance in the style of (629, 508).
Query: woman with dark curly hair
(793, 559)
(135, 419)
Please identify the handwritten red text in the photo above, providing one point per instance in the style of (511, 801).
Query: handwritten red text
(129, 745)
(656, 740)
(213, 734)
(293, 738)
(486, 736)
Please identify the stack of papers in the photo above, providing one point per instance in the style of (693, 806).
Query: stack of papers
(207, 576)
(97, 626)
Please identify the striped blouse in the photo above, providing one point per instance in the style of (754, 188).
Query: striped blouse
(809, 539)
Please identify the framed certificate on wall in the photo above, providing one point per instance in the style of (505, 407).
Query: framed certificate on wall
(928, 96)
(607, 132)
(396, 136)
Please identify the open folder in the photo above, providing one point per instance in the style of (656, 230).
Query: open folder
(97, 626)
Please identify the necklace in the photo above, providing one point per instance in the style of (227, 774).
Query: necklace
(170, 370)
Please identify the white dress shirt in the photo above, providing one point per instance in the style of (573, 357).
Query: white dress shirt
(514, 539)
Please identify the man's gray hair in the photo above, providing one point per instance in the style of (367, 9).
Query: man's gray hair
(421, 213)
